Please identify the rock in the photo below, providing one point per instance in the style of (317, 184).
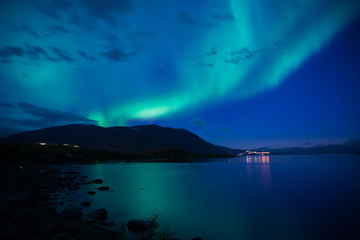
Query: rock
(10, 232)
(107, 223)
(71, 213)
(138, 225)
(97, 181)
(100, 214)
(64, 236)
(46, 226)
(74, 227)
(91, 192)
(85, 204)
(103, 188)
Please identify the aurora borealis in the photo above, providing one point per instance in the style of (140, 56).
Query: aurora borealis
(229, 71)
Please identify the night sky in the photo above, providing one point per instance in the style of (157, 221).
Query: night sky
(240, 73)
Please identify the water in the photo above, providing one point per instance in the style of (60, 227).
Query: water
(266, 197)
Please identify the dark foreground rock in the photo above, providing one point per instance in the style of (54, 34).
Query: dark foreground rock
(107, 222)
(71, 213)
(29, 193)
(103, 188)
(100, 214)
(138, 225)
(85, 204)
(97, 181)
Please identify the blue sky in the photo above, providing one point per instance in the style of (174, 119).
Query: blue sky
(238, 73)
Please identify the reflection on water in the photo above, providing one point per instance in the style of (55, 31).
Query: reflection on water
(259, 165)
(258, 159)
(301, 197)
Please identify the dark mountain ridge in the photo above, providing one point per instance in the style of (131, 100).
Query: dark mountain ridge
(350, 147)
(140, 138)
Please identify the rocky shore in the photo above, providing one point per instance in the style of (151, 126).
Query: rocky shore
(28, 197)
(30, 193)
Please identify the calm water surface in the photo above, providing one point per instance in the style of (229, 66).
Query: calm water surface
(268, 197)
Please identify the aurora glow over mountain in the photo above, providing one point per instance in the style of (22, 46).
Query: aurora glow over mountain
(192, 64)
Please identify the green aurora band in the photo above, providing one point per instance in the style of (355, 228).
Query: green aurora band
(187, 65)
(279, 46)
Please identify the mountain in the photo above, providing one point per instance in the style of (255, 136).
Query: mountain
(126, 139)
(350, 147)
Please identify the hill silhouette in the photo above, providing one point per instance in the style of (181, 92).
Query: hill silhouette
(126, 139)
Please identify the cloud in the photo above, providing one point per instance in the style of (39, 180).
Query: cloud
(187, 19)
(25, 122)
(74, 11)
(238, 56)
(62, 55)
(117, 55)
(43, 117)
(54, 8)
(208, 58)
(6, 61)
(6, 105)
(34, 52)
(25, 28)
(9, 51)
(56, 29)
(212, 51)
(198, 122)
(86, 56)
(104, 10)
(224, 129)
(52, 115)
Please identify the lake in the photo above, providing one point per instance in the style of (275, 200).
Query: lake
(248, 197)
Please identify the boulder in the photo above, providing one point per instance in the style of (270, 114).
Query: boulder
(10, 232)
(103, 188)
(74, 227)
(107, 222)
(138, 225)
(71, 213)
(100, 214)
(97, 181)
(64, 236)
(85, 204)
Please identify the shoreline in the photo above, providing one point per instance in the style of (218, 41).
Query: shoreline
(27, 209)
(31, 192)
